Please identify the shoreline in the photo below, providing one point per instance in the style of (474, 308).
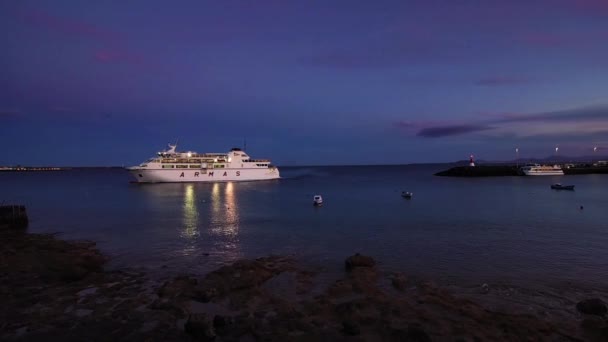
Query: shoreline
(59, 289)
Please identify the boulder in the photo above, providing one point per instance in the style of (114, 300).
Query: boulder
(359, 260)
(399, 281)
(594, 306)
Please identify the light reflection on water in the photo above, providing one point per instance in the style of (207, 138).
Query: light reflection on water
(191, 230)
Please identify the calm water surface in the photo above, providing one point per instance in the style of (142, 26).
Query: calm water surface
(474, 230)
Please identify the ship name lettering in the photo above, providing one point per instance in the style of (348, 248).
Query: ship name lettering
(225, 173)
(196, 174)
(182, 175)
(238, 173)
(210, 174)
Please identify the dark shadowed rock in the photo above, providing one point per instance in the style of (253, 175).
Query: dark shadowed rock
(594, 306)
(221, 321)
(413, 333)
(399, 281)
(350, 328)
(359, 260)
(200, 326)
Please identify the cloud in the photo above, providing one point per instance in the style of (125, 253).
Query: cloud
(547, 40)
(113, 44)
(9, 112)
(502, 81)
(118, 56)
(595, 113)
(595, 6)
(444, 131)
(590, 121)
(67, 26)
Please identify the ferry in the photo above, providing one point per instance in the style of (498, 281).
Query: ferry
(172, 166)
(542, 170)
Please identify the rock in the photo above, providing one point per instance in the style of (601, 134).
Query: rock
(182, 285)
(200, 326)
(593, 324)
(359, 260)
(148, 326)
(340, 288)
(414, 333)
(205, 295)
(399, 282)
(221, 321)
(86, 292)
(594, 306)
(83, 312)
(350, 328)
(485, 288)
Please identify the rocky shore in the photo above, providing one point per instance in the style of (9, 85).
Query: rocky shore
(56, 290)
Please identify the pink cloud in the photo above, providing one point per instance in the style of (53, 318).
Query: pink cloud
(503, 81)
(420, 124)
(597, 6)
(67, 26)
(543, 39)
(501, 116)
(118, 56)
(9, 112)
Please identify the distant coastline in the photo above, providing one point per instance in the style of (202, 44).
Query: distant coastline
(503, 170)
(52, 168)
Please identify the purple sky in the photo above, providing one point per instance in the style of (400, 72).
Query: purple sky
(306, 82)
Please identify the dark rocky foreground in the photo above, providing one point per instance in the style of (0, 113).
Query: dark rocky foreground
(56, 290)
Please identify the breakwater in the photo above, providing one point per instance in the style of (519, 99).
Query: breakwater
(512, 170)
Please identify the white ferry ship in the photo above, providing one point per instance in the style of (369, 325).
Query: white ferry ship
(542, 170)
(173, 166)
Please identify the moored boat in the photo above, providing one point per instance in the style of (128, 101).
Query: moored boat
(559, 186)
(317, 201)
(173, 166)
(407, 194)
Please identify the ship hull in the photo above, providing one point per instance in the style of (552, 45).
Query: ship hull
(201, 175)
(544, 173)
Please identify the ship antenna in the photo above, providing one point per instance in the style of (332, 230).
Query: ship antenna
(245, 144)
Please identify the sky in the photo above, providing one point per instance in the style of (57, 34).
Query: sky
(104, 83)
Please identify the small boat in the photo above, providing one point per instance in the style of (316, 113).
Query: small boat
(559, 186)
(317, 201)
(407, 194)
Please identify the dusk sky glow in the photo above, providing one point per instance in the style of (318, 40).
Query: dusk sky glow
(305, 82)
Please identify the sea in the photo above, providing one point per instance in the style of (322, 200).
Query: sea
(457, 230)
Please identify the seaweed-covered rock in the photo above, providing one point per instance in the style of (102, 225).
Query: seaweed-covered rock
(359, 260)
(594, 306)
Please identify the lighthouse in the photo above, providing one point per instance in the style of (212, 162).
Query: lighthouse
(471, 161)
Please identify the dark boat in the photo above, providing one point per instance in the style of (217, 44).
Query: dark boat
(559, 186)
